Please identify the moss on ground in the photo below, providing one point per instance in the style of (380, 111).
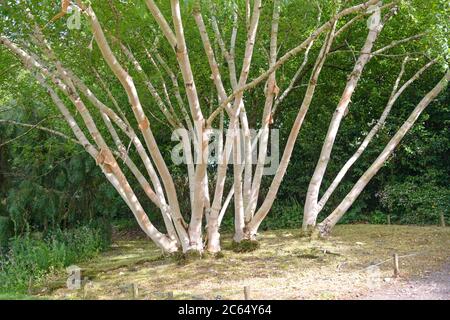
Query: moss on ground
(285, 266)
(244, 246)
(187, 257)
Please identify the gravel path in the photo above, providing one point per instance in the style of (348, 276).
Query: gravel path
(435, 286)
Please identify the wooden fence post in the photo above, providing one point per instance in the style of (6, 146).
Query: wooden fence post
(85, 291)
(30, 286)
(442, 220)
(396, 268)
(247, 292)
(389, 219)
(134, 291)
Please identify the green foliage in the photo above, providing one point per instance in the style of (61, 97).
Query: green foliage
(6, 231)
(378, 217)
(284, 214)
(66, 196)
(29, 259)
(124, 224)
(414, 203)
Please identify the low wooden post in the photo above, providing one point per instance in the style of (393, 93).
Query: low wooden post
(30, 286)
(247, 293)
(389, 219)
(442, 220)
(396, 268)
(134, 291)
(85, 291)
(86, 286)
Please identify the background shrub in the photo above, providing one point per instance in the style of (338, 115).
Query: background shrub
(6, 231)
(31, 258)
(414, 203)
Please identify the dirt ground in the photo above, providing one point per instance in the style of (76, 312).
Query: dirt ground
(433, 286)
(354, 263)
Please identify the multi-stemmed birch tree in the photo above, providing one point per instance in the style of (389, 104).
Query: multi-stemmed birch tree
(116, 141)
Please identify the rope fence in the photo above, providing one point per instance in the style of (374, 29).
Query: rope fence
(390, 259)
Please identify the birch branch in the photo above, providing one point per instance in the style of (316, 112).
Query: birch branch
(397, 42)
(38, 127)
(287, 56)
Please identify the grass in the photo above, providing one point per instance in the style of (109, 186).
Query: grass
(14, 296)
(285, 266)
(31, 260)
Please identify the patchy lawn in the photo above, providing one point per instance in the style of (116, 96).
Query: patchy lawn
(285, 266)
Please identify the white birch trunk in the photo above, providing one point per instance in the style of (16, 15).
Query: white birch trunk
(271, 93)
(310, 209)
(324, 228)
(262, 212)
(380, 123)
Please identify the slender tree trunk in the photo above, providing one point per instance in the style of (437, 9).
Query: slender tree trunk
(325, 227)
(239, 219)
(262, 212)
(380, 123)
(310, 210)
(271, 93)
